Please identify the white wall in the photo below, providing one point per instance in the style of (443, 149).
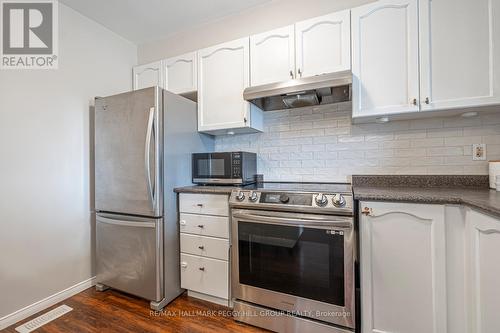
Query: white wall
(258, 19)
(45, 221)
(321, 144)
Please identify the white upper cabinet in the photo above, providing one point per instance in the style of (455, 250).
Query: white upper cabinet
(460, 55)
(403, 268)
(223, 74)
(323, 44)
(180, 73)
(385, 58)
(272, 56)
(148, 75)
(483, 271)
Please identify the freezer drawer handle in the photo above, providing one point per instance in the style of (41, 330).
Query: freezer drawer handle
(126, 223)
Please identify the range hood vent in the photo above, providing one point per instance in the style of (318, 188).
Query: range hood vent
(316, 90)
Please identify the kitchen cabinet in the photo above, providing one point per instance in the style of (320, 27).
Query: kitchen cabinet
(403, 267)
(148, 75)
(460, 67)
(181, 74)
(272, 56)
(385, 58)
(429, 55)
(323, 44)
(223, 74)
(483, 270)
(204, 244)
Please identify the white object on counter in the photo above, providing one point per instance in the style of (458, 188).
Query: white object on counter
(494, 167)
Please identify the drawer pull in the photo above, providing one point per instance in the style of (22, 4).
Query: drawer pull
(182, 222)
(201, 226)
(199, 205)
(201, 247)
(184, 264)
(202, 269)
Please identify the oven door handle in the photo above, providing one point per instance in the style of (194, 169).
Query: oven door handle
(342, 224)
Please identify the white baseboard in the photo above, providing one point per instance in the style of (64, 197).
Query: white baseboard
(208, 298)
(43, 304)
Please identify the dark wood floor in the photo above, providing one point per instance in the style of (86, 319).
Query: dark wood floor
(110, 311)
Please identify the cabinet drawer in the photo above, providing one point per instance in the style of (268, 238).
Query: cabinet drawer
(211, 204)
(204, 225)
(204, 275)
(205, 246)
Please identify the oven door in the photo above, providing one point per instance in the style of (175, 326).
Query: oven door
(301, 263)
(212, 168)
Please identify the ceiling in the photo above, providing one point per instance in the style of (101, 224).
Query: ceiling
(141, 21)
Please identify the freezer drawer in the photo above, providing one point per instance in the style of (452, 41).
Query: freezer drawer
(129, 254)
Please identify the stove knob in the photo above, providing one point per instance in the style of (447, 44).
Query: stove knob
(284, 198)
(338, 200)
(240, 196)
(253, 196)
(321, 199)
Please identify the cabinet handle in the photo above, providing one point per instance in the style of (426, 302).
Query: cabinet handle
(201, 247)
(427, 101)
(300, 72)
(367, 211)
(201, 226)
(182, 222)
(291, 73)
(202, 269)
(184, 264)
(414, 101)
(199, 205)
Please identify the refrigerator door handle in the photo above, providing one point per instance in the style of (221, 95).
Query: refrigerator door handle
(147, 150)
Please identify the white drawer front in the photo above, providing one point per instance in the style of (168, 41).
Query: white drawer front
(212, 204)
(204, 225)
(205, 275)
(205, 246)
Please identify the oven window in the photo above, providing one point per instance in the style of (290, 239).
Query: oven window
(304, 262)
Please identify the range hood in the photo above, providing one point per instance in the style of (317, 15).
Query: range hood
(315, 90)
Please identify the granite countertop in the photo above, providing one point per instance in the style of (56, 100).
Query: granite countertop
(471, 191)
(209, 189)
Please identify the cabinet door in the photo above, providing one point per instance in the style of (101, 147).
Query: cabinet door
(272, 56)
(223, 74)
(385, 58)
(483, 272)
(180, 73)
(148, 75)
(403, 268)
(323, 44)
(460, 67)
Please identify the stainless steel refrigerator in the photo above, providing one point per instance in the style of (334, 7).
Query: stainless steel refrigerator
(143, 145)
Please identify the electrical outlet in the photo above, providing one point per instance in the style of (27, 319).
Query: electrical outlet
(479, 152)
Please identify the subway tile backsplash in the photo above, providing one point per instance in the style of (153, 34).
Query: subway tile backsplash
(321, 144)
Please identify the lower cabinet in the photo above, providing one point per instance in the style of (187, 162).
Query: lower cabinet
(483, 272)
(204, 244)
(403, 271)
(428, 268)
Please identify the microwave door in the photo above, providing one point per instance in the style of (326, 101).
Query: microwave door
(127, 153)
(212, 167)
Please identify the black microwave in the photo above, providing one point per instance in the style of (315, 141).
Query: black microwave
(225, 168)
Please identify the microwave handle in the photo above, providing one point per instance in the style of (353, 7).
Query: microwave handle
(345, 223)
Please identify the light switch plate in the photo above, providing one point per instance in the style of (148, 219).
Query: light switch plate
(479, 152)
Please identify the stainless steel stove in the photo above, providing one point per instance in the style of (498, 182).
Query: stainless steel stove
(293, 257)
